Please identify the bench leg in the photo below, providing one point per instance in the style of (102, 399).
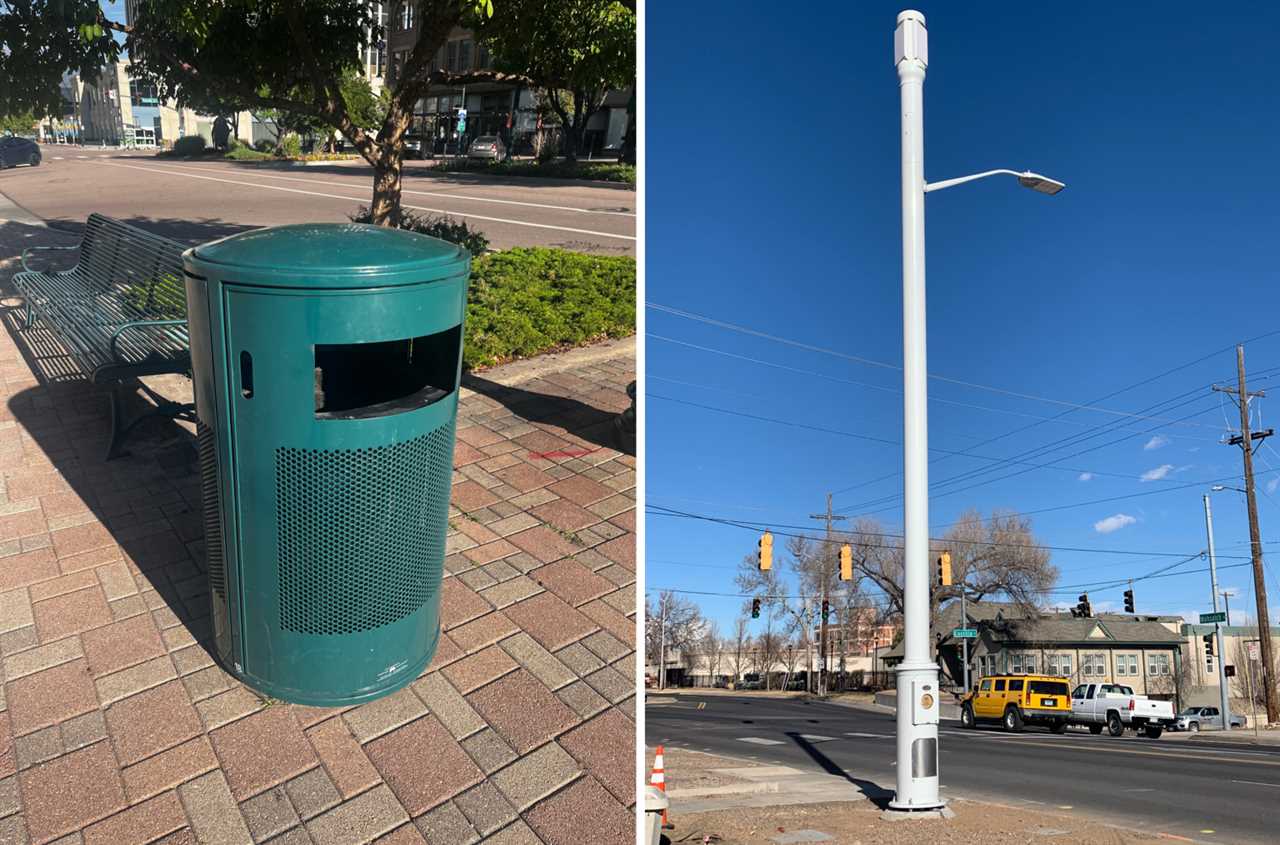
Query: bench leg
(120, 429)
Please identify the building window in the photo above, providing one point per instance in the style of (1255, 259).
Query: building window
(1157, 664)
(464, 55)
(1064, 663)
(405, 16)
(1029, 663)
(1095, 663)
(451, 62)
(1015, 662)
(482, 58)
(1126, 664)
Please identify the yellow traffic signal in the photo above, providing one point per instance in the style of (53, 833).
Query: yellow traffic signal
(846, 563)
(766, 551)
(944, 570)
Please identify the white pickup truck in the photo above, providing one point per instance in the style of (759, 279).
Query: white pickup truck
(1116, 707)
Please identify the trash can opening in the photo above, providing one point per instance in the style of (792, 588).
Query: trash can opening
(361, 380)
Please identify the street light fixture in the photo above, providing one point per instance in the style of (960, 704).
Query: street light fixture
(917, 717)
(1224, 698)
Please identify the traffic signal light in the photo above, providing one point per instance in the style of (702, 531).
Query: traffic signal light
(1083, 609)
(846, 563)
(755, 608)
(1208, 645)
(1128, 601)
(944, 570)
(766, 552)
(826, 610)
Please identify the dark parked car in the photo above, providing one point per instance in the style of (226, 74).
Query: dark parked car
(15, 151)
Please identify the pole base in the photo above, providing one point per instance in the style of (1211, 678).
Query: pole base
(897, 814)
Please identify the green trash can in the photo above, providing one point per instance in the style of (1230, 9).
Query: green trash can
(326, 361)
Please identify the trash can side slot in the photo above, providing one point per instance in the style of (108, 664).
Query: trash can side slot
(362, 380)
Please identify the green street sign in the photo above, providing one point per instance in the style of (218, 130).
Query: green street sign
(965, 633)
(1206, 618)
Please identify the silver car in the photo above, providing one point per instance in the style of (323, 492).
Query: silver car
(488, 146)
(1194, 718)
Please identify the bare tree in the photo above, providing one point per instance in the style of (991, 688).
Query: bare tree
(672, 623)
(712, 648)
(741, 643)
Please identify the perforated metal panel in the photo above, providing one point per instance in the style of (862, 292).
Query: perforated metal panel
(207, 446)
(361, 532)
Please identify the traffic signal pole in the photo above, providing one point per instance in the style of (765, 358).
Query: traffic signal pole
(1224, 700)
(825, 574)
(917, 674)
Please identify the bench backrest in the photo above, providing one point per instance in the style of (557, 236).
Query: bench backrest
(142, 271)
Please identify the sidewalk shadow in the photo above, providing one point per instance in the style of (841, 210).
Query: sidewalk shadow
(189, 231)
(555, 410)
(874, 793)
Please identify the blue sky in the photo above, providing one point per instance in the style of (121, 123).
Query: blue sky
(773, 204)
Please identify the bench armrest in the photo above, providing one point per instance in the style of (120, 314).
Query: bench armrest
(139, 324)
(23, 257)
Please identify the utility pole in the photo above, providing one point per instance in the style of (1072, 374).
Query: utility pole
(662, 642)
(1224, 700)
(1226, 597)
(826, 579)
(1245, 441)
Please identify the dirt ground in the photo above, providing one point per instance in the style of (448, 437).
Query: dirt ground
(693, 770)
(859, 823)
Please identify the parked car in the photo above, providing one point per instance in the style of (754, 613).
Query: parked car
(1194, 718)
(413, 148)
(1116, 707)
(488, 146)
(1018, 700)
(15, 150)
(751, 680)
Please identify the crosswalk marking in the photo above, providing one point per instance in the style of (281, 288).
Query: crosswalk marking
(816, 738)
(868, 736)
(759, 740)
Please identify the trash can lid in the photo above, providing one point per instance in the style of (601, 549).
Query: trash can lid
(331, 255)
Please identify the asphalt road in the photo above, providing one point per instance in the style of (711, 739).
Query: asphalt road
(196, 201)
(1196, 789)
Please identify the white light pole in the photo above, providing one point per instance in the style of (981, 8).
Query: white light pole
(1224, 700)
(917, 675)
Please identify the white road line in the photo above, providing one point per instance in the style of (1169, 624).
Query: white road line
(759, 740)
(1256, 782)
(816, 738)
(176, 169)
(358, 199)
(869, 736)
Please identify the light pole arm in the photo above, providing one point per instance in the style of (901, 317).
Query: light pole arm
(960, 180)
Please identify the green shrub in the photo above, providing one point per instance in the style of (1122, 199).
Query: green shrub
(445, 228)
(243, 153)
(528, 301)
(162, 298)
(264, 145)
(189, 145)
(606, 171)
(290, 146)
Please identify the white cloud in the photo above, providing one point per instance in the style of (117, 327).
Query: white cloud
(1273, 484)
(1158, 473)
(1088, 476)
(1114, 523)
(1156, 442)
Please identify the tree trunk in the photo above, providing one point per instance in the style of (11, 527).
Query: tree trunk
(385, 208)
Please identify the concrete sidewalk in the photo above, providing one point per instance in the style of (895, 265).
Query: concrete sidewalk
(116, 725)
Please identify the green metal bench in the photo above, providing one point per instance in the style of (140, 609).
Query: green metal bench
(121, 312)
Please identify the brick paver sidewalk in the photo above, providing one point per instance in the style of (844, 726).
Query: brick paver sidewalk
(117, 727)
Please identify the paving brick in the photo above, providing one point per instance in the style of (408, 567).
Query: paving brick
(51, 696)
(446, 823)
(423, 764)
(565, 515)
(488, 750)
(543, 543)
(572, 581)
(582, 699)
(448, 705)
(478, 669)
(583, 812)
(485, 808)
(127, 682)
(121, 644)
(540, 662)
(607, 647)
(71, 613)
(513, 520)
(269, 814)
(191, 659)
(12, 831)
(459, 604)
(10, 797)
(602, 745)
(361, 819)
(44, 744)
(227, 707)
(84, 730)
(215, 818)
(90, 559)
(81, 538)
(43, 657)
(342, 756)
(621, 551)
(62, 585)
(508, 703)
(610, 619)
(8, 765)
(293, 836)
(581, 491)
(469, 496)
(15, 610)
(517, 833)
(611, 683)
(518, 588)
(152, 721)
(262, 750)
(489, 552)
(537, 775)
(384, 714)
(141, 823)
(27, 568)
(72, 791)
(477, 579)
(524, 477)
(550, 621)
(19, 639)
(208, 682)
(486, 630)
(169, 768)
(22, 523)
(312, 792)
(405, 834)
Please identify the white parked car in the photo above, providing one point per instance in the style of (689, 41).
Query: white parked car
(1116, 707)
(1194, 718)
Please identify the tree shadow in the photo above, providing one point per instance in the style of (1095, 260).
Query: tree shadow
(874, 793)
(185, 230)
(558, 412)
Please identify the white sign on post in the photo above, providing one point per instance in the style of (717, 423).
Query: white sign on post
(1253, 648)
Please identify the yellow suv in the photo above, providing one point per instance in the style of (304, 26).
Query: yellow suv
(1017, 700)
